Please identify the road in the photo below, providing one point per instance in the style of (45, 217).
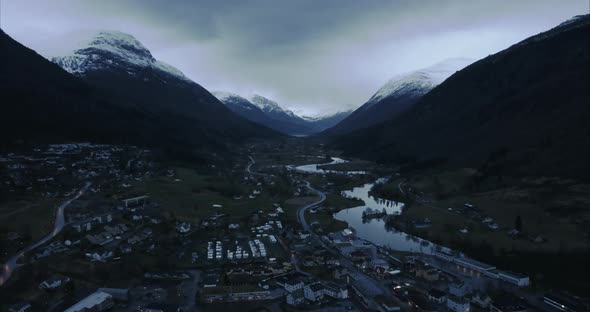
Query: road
(59, 224)
(370, 284)
(301, 210)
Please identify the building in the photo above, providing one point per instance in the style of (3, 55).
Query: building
(335, 291)
(458, 288)
(437, 296)
(295, 298)
(105, 218)
(314, 292)
(508, 303)
(98, 301)
(514, 278)
(83, 226)
(119, 294)
(53, 283)
(473, 267)
(135, 201)
(317, 291)
(292, 285)
(444, 253)
(458, 304)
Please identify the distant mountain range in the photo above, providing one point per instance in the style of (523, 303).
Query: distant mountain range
(398, 95)
(269, 113)
(118, 92)
(522, 110)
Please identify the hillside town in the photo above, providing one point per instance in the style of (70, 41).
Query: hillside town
(114, 247)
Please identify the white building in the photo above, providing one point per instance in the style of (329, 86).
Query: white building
(514, 278)
(458, 304)
(98, 301)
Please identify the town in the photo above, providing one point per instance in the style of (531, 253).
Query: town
(132, 232)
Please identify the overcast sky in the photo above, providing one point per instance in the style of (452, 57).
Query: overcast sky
(312, 56)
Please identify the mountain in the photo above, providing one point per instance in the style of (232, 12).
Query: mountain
(124, 69)
(267, 112)
(398, 95)
(322, 123)
(40, 102)
(116, 98)
(523, 110)
(254, 113)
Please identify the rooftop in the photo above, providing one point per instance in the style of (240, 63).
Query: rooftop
(474, 263)
(90, 301)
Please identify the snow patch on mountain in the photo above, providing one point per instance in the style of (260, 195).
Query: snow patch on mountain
(228, 98)
(419, 82)
(113, 48)
(270, 106)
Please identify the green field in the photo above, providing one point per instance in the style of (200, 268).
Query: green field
(190, 195)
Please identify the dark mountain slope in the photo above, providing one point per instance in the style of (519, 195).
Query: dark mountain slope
(42, 102)
(122, 67)
(397, 96)
(523, 110)
(252, 112)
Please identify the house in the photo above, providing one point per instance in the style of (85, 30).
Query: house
(293, 285)
(380, 263)
(98, 301)
(335, 291)
(458, 288)
(296, 298)
(83, 226)
(508, 303)
(314, 292)
(105, 218)
(53, 283)
(458, 304)
(183, 227)
(437, 296)
(514, 278)
(317, 291)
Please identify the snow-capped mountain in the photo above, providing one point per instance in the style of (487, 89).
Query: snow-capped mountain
(113, 49)
(120, 65)
(398, 94)
(272, 108)
(267, 112)
(418, 82)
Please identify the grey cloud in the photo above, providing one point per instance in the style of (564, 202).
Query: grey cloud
(312, 56)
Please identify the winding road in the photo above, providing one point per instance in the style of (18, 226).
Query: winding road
(12, 264)
(301, 210)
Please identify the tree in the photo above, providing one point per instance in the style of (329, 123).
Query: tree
(518, 223)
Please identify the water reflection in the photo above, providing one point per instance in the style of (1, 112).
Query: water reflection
(375, 229)
(316, 168)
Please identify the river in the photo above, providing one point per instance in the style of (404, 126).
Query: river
(373, 230)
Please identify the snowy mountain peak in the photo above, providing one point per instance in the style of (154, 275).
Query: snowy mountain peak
(421, 81)
(267, 105)
(114, 50)
(121, 44)
(224, 95)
